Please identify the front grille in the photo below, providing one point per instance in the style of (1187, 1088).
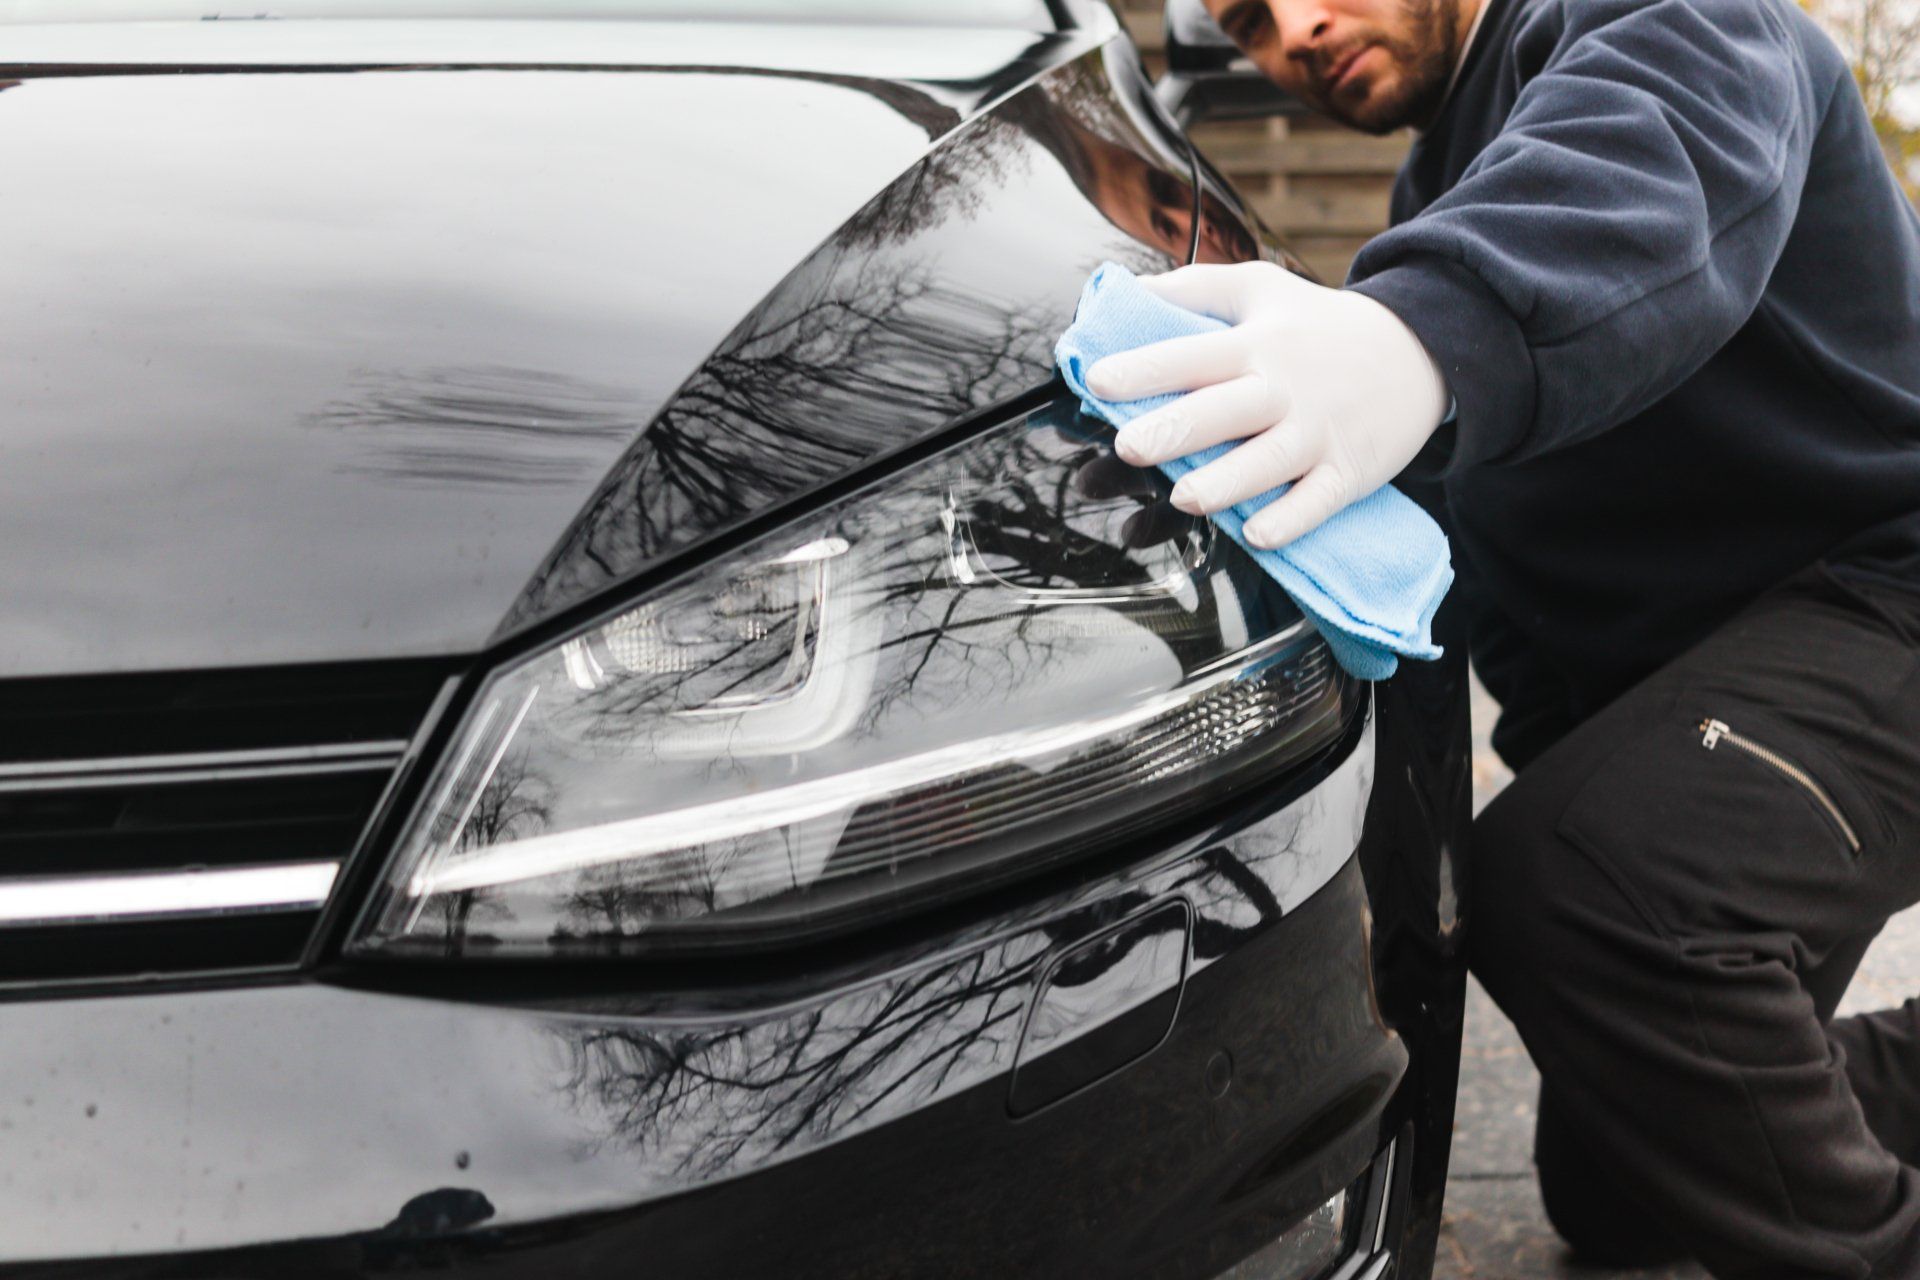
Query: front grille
(157, 825)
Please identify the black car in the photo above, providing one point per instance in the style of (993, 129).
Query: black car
(577, 700)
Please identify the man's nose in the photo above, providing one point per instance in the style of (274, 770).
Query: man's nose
(1305, 25)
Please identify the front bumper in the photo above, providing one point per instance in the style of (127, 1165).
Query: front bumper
(1151, 1070)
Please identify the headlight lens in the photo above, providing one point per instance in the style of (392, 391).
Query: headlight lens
(964, 673)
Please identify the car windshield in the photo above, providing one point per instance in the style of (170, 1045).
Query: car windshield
(938, 13)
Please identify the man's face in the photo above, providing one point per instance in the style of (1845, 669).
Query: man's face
(1156, 208)
(1374, 64)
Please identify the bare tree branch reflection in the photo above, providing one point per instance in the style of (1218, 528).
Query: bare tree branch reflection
(840, 365)
(700, 1103)
(930, 645)
(516, 803)
(872, 341)
(703, 1103)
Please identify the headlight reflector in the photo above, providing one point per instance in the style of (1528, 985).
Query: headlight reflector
(963, 673)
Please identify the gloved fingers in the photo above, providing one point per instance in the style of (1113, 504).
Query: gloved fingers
(1274, 457)
(1221, 290)
(1177, 364)
(1229, 410)
(1315, 499)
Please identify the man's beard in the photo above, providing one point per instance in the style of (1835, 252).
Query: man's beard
(1423, 51)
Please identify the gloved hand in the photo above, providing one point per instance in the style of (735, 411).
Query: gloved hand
(1327, 387)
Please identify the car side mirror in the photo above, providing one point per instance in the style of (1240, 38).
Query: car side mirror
(1208, 78)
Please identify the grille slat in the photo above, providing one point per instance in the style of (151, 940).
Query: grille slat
(153, 949)
(173, 790)
(100, 717)
(129, 828)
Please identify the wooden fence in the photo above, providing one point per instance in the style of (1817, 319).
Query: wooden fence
(1323, 187)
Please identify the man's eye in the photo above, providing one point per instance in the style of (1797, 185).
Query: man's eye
(1165, 189)
(1247, 24)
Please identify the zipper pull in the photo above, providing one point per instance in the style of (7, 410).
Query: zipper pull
(1710, 731)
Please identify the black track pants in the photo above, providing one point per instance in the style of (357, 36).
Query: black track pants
(1670, 902)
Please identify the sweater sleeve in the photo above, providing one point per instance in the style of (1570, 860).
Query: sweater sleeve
(1618, 230)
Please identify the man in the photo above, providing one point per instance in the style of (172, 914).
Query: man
(1650, 311)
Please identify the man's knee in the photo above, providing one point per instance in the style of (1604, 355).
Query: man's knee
(1586, 1203)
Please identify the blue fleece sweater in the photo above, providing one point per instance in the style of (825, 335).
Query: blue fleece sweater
(1655, 248)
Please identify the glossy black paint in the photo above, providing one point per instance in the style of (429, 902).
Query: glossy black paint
(1414, 856)
(867, 1096)
(851, 1110)
(301, 373)
(1101, 1004)
(940, 297)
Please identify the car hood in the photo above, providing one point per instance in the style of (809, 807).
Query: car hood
(312, 359)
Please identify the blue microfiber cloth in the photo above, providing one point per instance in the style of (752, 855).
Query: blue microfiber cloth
(1370, 578)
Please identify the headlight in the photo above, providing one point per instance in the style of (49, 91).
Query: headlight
(962, 674)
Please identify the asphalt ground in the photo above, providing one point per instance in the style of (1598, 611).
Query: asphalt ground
(1494, 1228)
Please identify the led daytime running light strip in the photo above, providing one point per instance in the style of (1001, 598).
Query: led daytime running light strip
(50, 900)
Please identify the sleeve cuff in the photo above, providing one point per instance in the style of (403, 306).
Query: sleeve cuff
(1480, 351)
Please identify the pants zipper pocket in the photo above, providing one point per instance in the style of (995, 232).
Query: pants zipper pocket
(1714, 732)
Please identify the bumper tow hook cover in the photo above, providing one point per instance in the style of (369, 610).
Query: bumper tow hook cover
(1101, 1004)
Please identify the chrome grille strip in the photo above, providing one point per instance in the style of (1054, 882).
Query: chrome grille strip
(205, 766)
(95, 781)
(191, 822)
(127, 896)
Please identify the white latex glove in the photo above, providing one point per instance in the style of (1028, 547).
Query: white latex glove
(1327, 387)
